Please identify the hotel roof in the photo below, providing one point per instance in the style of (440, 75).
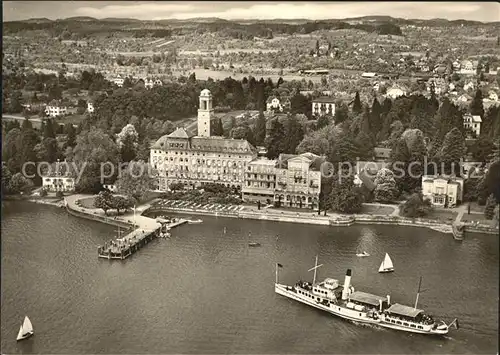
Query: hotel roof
(315, 161)
(214, 144)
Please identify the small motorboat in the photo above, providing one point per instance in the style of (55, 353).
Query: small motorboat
(362, 255)
(195, 221)
(254, 244)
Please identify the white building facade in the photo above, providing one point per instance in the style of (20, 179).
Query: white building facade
(323, 106)
(473, 123)
(195, 161)
(291, 180)
(443, 191)
(55, 109)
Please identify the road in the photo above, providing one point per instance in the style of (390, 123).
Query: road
(33, 120)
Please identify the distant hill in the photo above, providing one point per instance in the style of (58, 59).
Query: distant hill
(80, 18)
(84, 26)
(38, 20)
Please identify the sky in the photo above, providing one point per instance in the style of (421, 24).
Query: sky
(156, 10)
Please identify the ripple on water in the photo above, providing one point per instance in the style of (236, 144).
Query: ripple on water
(206, 291)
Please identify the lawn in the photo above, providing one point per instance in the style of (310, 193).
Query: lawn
(473, 217)
(87, 202)
(74, 119)
(442, 215)
(377, 210)
(474, 207)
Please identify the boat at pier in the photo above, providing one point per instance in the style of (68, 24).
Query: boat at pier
(26, 329)
(361, 307)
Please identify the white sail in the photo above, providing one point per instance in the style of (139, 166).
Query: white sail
(27, 326)
(386, 263)
(20, 335)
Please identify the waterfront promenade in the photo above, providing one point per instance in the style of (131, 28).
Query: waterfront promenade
(380, 214)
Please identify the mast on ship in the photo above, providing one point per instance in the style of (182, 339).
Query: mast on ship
(316, 266)
(418, 292)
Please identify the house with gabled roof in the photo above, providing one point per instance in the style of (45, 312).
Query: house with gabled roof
(275, 104)
(473, 123)
(395, 91)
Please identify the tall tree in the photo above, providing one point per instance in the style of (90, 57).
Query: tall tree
(344, 196)
(476, 106)
(127, 141)
(452, 151)
(294, 133)
(48, 129)
(341, 113)
(385, 190)
(275, 141)
(216, 127)
(98, 156)
(260, 129)
(421, 117)
(376, 117)
(70, 132)
(356, 106)
(136, 180)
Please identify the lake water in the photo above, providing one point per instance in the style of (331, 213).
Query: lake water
(204, 291)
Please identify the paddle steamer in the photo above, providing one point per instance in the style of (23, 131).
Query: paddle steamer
(343, 301)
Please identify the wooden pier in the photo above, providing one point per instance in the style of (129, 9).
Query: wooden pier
(122, 248)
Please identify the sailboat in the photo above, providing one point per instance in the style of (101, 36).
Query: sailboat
(26, 329)
(386, 265)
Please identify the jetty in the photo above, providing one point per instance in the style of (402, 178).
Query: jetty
(122, 248)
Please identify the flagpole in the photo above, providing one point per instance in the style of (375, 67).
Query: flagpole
(276, 272)
(315, 268)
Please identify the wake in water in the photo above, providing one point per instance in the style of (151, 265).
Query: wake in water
(368, 325)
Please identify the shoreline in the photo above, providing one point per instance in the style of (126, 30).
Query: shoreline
(338, 220)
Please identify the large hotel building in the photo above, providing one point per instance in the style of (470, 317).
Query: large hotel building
(294, 180)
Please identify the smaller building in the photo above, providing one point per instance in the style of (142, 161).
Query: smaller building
(381, 153)
(58, 177)
(56, 108)
(110, 187)
(150, 83)
(118, 81)
(469, 86)
(274, 104)
(323, 106)
(395, 91)
(473, 123)
(443, 191)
